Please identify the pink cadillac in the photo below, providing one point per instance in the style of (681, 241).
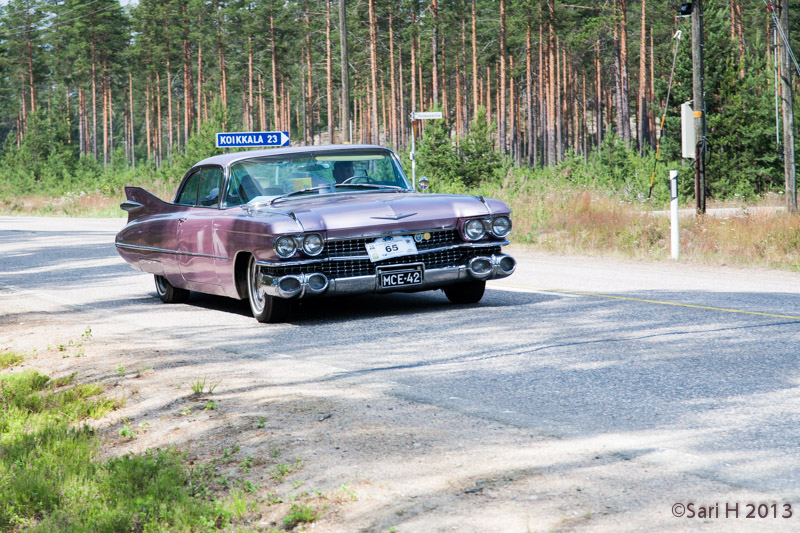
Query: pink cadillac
(274, 226)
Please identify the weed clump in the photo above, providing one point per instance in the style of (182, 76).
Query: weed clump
(53, 480)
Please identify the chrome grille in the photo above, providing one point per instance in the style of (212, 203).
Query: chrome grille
(356, 247)
(364, 267)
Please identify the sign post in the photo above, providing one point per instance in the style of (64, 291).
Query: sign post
(673, 214)
(415, 116)
(249, 139)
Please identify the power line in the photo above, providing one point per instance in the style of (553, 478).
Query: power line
(51, 16)
(44, 31)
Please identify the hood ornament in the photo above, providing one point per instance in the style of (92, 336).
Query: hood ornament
(395, 217)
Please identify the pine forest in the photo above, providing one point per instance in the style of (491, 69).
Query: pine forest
(95, 94)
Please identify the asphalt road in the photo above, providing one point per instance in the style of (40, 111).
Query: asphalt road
(697, 362)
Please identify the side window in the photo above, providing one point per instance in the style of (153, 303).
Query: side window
(208, 188)
(188, 195)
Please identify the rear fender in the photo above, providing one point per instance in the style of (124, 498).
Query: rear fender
(139, 202)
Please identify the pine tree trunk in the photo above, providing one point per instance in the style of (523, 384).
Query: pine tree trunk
(188, 105)
(148, 137)
(373, 62)
(29, 45)
(435, 52)
(199, 77)
(94, 94)
(445, 109)
(501, 80)
(310, 89)
(131, 136)
(170, 119)
(530, 148)
(584, 124)
(403, 111)
(223, 82)
(643, 135)
(393, 107)
(462, 75)
(158, 148)
(543, 106)
(274, 60)
(625, 86)
(551, 89)
(475, 96)
(345, 72)
(81, 129)
(329, 70)
(488, 94)
(104, 90)
(618, 82)
(248, 123)
(414, 106)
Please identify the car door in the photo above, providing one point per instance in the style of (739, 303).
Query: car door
(195, 235)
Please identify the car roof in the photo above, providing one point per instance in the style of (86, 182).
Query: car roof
(230, 158)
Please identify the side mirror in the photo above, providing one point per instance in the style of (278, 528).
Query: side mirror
(424, 184)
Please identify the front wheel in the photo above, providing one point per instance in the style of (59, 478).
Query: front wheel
(470, 292)
(168, 293)
(265, 308)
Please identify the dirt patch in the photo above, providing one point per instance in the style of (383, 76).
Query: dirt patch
(362, 458)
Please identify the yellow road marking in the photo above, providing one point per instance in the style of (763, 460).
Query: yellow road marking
(645, 300)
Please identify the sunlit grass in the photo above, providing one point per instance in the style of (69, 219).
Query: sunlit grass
(551, 214)
(51, 478)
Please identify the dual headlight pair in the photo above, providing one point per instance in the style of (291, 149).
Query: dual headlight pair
(287, 245)
(476, 228)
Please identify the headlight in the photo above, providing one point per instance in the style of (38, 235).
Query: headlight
(312, 244)
(474, 229)
(501, 226)
(285, 246)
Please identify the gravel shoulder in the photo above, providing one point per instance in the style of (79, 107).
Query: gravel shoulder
(367, 457)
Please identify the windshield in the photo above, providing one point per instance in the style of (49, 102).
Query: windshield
(322, 173)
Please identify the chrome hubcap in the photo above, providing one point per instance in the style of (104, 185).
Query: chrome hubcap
(256, 298)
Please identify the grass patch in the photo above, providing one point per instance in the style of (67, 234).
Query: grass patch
(9, 359)
(299, 514)
(51, 478)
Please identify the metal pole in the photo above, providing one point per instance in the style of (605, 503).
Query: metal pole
(698, 98)
(673, 214)
(788, 113)
(413, 158)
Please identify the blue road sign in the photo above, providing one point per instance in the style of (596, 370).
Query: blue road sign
(252, 138)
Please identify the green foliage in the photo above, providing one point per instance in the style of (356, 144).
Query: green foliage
(300, 514)
(9, 359)
(52, 479)
(454, 166)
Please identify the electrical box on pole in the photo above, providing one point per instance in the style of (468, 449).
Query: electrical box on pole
(688, 137)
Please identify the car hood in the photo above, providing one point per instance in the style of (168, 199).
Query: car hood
(344, 214)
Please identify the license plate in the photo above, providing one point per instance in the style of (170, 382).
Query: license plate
(389, 247)
(399, 278)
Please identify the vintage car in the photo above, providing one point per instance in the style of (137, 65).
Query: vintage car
(278, 225)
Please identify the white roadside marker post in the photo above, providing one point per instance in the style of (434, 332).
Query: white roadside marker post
(673, 213)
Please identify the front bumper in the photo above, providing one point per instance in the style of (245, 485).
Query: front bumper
(480, 267)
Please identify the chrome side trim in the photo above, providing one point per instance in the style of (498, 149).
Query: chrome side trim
(165, 251)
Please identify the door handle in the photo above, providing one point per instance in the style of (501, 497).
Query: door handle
(181, 220)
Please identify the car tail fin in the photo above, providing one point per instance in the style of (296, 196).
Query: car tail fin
(140, 202)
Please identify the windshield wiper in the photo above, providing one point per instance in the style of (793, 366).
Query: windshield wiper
(333, 186)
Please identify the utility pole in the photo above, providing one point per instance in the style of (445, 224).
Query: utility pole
(346, 133)
(788, 113)
(699, 107)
